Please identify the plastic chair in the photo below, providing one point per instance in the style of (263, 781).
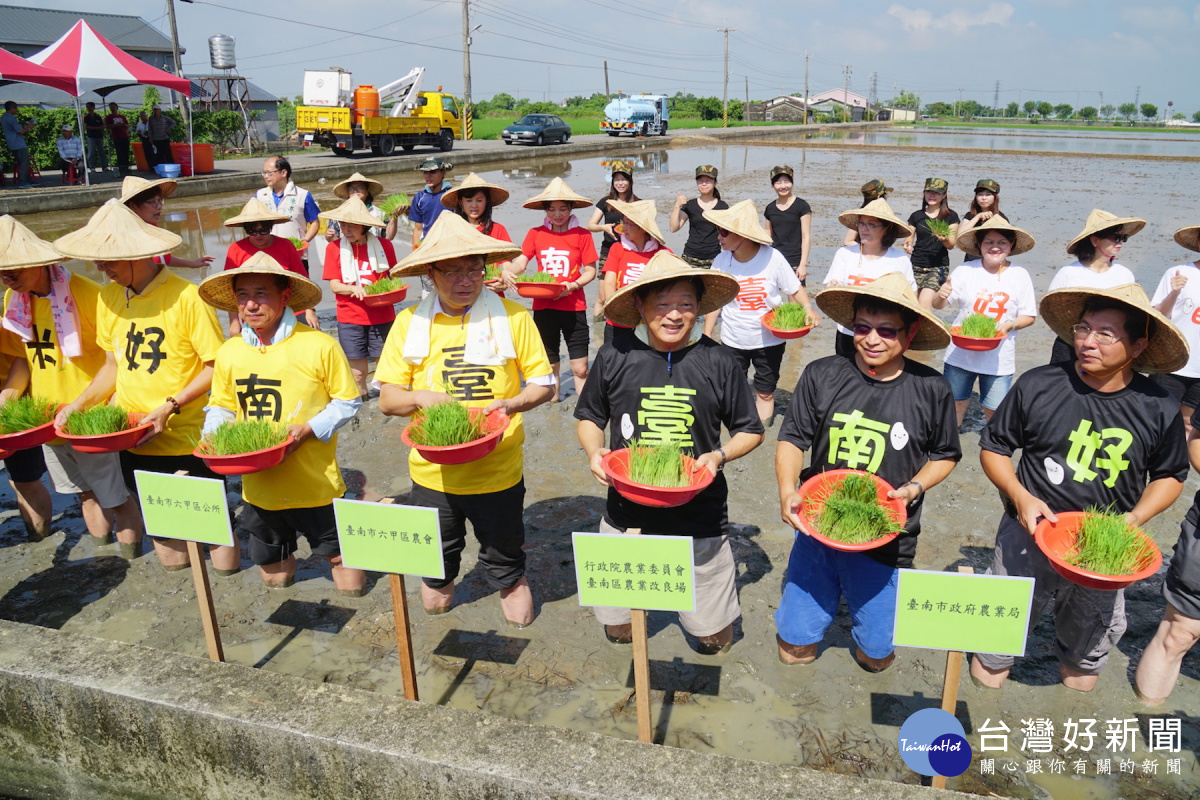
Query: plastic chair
(34, 173)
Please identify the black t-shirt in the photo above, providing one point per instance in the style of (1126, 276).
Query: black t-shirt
(702, 234)
(611, 217)
(927, 251)
(845, 419)
(93, 119)
(632, 388)
(1082, 448)
(786, 235)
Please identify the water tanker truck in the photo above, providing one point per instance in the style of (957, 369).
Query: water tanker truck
(640, 115)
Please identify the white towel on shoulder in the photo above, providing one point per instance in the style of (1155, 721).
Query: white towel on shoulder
(489, 339)
(375, 258)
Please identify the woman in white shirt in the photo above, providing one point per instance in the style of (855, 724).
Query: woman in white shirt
(1178, 297)
(994, 286)
(1095, 249)
(876, 229)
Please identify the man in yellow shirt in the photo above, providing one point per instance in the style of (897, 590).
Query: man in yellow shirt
(159, 340)
(279, 370)
(462, 343)
(25, 467)
(49, 327)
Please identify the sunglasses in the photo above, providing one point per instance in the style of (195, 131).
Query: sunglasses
(1119, 238)
(258, 227)
(722, 232)
(863, 329)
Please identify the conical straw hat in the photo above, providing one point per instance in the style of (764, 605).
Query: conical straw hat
(879, 209)
(969, 242)
(342, 189)
(450, 237)
(355, 212)
(642, 214)
(838, 303)
(1168, 349)
(557, 190)
(664, 268)
(114, 233)
(217, 290)
(1100, 220)
(1187, 237)
(255, 211)
(132, 186)
(741, 219)
(473, 181)
(21, 248)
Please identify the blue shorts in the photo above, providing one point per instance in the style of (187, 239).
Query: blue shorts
(817, 577)
(992, 388)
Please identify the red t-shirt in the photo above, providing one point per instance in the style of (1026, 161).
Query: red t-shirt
(627, 265)
(498, 232)
(563, 256)
(351, 310)
(280, 249)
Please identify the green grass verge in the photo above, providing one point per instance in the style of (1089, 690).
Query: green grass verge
(1042, 127)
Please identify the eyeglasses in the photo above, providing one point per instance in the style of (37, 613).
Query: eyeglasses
(1119, 238)
(722, 232)
(862, 223)
(460, 277)
(266, 173)
(1082, 331)
(260, 228)
(863, 329)
(157, 200)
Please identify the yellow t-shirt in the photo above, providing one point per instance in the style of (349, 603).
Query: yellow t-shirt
(51, 375)
(161, 340)
(475, 386)
(288, 382)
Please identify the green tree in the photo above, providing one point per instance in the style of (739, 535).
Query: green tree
(1149, 110)
(1179, 115)
(905, 99)
(1012, 109)
(1044, 109)
(1030, 108)
(503, 101)
(1088, 113)
(939, 109)
(1196, 117)
(1127, 110)
(1107, 110)
(287, 117)
(1063, 110)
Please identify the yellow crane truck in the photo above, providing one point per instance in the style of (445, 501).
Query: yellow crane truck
(346, 120)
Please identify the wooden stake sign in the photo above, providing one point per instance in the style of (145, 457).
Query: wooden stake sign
(398, 540)
(192, 510)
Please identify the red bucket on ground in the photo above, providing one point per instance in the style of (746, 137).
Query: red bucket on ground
(494, 425)
(181, 154)
(616, 467)
(246, 463)
(108, 442)
(768, 322)
(387, 298)
(976, 343)
(812, 501)
(1057, 539)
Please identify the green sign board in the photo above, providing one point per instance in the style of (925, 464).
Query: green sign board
(655, 573)
(383, 537)
(183, 507)
(959, 611)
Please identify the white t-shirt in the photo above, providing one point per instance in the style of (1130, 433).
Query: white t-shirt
(849, 268)
(765, 282)
(1186, 312)
(1003, 297)
(1078, 276)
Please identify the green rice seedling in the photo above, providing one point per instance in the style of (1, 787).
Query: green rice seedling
(25, 412)
(979, 326)
(243, 436)
(1108, 545)
(384, 285)
(394, 203)
(938, 227)
(537, 277)
(659, 464)
(298, 243)
(851, 512)
(790, 317)
(445, 424)
(492, 273)
(97, 421)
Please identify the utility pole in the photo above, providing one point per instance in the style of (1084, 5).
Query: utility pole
(547, 84)
(1137, 99)
(746, 107)
(607, 93)
(996, 97)
(467, 127)
(725, 91)
(185, 105)
(958, 105)
(805, 87)
(871, 99)
(846, 93)
(1101, 103)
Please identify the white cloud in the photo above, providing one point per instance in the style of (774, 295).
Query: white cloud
(957, 21)
(1156, 18)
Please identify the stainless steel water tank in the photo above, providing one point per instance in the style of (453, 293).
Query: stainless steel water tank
(220, 52)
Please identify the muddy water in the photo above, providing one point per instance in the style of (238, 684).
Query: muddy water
(830, 715)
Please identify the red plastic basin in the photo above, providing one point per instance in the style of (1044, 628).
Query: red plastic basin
(768, 322)
(539, 291)
(974, 342)
(108, 442)
(24, 440)
(812, 501)
(616, 467)
(1057, 539)
(387, 298)
(494, 424)
(246, 463)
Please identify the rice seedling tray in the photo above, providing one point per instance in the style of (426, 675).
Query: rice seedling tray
(768, 322)
(616, 467)
(245, 463)
(974, 342)
(1057, 541)
(109, 442)
(387, 298)
(494, 426)
(816, 490)
(28, 439)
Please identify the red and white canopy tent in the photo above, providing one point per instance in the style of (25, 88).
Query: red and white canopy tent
(94, 64)
(14, 69)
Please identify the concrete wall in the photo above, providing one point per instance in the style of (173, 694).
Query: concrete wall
(92, 719)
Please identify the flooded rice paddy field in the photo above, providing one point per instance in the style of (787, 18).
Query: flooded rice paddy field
(829, 715)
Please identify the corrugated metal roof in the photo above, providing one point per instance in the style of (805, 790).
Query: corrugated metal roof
(31, 29)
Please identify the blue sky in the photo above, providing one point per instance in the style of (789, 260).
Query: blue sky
(1063, 51)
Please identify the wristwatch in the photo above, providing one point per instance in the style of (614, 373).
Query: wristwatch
(724, 458)
(920, 489)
